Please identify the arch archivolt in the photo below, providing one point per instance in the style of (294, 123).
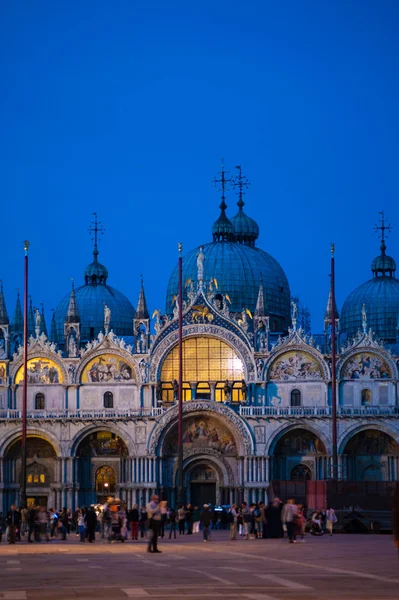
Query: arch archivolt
(284, 429)
(45, 355)
(207, 456)
(112, 428)
(356, 428)
(228, 417)
(125, 356)
(16, 434)
(203, 330)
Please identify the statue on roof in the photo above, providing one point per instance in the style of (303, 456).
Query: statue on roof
(107, 318)
(200, 265)
(364, 318)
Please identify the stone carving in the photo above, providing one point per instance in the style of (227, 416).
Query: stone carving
(144, 370)
(366, 366)
(201, 314)
(141, 434)
(200, 265)
(107, 318)
(260, 434)
(294, 366)
(364, 318)
(233, 421)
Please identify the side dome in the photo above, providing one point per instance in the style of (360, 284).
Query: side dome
(90, 300)
(380, 296)
(239, 271)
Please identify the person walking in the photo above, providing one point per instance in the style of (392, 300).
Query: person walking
(143, 519)
(64, 518)
(246, 518)
(81, 521)
(196, 519)
(331, 518)
(172, 522)
(288, 516)
(189, 519)
(274, 523)
(24, 520)
(154, 515)
(232, 520)
(263, 514)
(181, 517)
(91, 522)
(206, 519)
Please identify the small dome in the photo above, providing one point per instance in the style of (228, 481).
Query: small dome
(246, 230)
(222, 229)
(95, 272)
(380, 295)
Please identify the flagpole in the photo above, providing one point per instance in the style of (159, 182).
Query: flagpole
(23, 499)
(180, 488)
(333, 371)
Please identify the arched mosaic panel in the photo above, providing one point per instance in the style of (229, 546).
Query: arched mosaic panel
(108, 368)
(294, 366)
(41, 371)
(366, 365)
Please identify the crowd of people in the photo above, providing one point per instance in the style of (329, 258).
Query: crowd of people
(112, 522)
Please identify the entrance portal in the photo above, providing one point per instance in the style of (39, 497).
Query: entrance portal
(37, 501)
(202, 485)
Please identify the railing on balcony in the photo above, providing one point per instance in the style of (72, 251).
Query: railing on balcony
(318, 411)
(83, 414)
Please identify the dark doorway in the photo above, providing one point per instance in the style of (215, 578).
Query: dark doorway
(37, 501)
(203, 493)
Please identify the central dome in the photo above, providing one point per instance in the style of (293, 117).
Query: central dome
(239, 271)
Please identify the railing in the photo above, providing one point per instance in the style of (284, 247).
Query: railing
(83, 414)
(318, 411)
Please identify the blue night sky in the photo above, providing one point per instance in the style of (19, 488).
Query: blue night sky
(126, 108)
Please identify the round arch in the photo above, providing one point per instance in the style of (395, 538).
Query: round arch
(34, 432)
(367, 360)
(115, 429)
(230, 419)
(291, 349)
(284, 429)
(122, 364)
(355, 429)
(40, 357)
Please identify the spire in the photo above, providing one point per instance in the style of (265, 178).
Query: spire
(72, 315)
(327, 314)
(142, 310)
(222, 229)
(260, 303)
(383, 264)
(18, 320)
(96, 229)
(96, 273)
(43, 320)
(31, 319)
(53, 328)
(3, 310)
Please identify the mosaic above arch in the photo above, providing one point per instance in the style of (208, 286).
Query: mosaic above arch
(366, 365)
(3, 373)
(108, 368)
(295, 365)
(202, 432)
(371, 442)
(41, 371)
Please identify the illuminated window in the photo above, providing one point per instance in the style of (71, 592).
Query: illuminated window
(204, 359)
(30, 478)
(236, 392)
(39, 401)
(108, 400)
(167, 392)
(219, 391)
(35, 478)
(42, 478)
(203, 391)
(186, 392)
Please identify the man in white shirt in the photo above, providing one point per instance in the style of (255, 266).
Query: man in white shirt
(154, 517)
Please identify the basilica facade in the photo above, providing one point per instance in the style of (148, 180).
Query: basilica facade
(102, 411)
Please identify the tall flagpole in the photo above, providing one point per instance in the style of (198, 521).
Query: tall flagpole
(333, 372)
(180, 488)
(23, 500)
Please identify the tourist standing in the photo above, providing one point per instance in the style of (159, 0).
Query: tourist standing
(181, 518)
(13, 521)
(232, 520)
(189, 519)
(274, 524)
(81, 526)
(134, 521)
(206, 519)
(331, 518)
(91, 522)
(154, 513)
(196, 519)
(143, 521)
(172, 522)
(246, 519)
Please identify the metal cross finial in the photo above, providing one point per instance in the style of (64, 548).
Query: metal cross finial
(224, 184)
(383, 227)
(241, 182)
(96, 229)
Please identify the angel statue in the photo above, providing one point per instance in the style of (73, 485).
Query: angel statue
(200, 265)
(294, 310)
(107, 318)
(38, 317)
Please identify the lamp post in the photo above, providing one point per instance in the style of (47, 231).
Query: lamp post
(333, 372)
(23, 500)
(181, 496)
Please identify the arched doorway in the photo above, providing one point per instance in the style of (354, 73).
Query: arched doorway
(371, 455)
(98, 450)
(202, 479)
(41, 471)
(302, 450)
(300, 473)
(105, 483)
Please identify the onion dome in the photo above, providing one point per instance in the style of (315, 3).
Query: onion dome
(380, 295)
(246, 230)
(222, 229)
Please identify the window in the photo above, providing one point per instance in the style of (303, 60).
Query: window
(108, 400)
(219, 391)
(236, 392)
(167, 392)
(295, 398)
(36, 477)
(105, 481)
(186, 392)
(366, 397)
(203, 391)
(204, 359)
(39, 402)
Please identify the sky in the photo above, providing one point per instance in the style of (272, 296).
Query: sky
(127, 107)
